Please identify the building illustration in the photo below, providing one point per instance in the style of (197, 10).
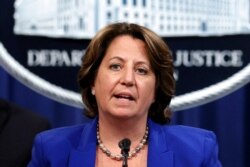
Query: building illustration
(83, 18)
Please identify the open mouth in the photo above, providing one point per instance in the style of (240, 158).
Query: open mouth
(127, 97)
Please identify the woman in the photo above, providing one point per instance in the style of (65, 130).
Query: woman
(127, 84)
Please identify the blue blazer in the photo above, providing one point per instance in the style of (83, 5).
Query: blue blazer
(168, 146)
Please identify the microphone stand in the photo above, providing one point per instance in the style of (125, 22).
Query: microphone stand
(124, 144)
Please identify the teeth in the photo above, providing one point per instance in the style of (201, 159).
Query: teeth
(125, 97)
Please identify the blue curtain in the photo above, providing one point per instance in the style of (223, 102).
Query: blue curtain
(227, 117)
(58, 113)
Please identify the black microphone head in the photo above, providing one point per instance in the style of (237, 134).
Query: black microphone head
(124, 144)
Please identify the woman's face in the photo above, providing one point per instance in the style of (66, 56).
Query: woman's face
(125, 83)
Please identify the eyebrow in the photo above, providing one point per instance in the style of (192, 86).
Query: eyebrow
(116, 57)
(121, 59)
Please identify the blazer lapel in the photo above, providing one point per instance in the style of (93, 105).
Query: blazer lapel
(158, 153)
(84, 155)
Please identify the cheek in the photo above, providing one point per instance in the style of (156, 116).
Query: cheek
(104, 83)
(148, 90)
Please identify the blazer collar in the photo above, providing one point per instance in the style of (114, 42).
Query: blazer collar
(158, 153)
(85, 154)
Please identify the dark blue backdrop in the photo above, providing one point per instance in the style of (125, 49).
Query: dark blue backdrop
(227, 117)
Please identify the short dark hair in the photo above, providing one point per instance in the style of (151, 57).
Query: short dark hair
(159, 56)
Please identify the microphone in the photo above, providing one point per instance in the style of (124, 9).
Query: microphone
(124, 144)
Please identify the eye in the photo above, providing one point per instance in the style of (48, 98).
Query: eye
(115, 67)
(142, 71)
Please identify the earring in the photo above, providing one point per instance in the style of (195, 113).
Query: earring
(92, 91)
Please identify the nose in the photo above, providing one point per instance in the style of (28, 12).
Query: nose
(128, 77)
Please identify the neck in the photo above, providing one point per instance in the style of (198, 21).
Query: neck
(113, 131)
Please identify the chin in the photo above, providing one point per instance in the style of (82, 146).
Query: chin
(123, 115)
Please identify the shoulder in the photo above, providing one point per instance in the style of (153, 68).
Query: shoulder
(18, 121)
(69, 133)
(66, 131)
(189, 137)
(56, 145)
(187, 132)
(183, 133)
(64, 137)
(194, 145)
(16, 113)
